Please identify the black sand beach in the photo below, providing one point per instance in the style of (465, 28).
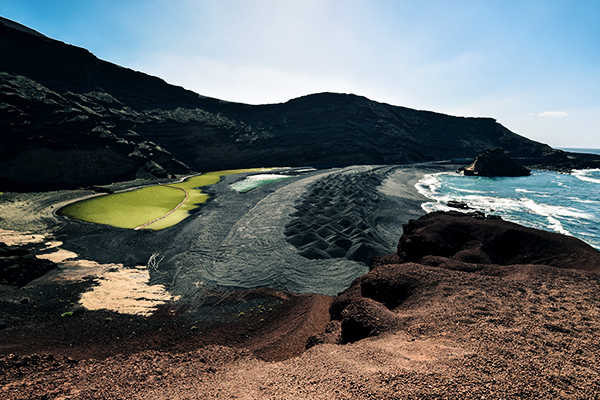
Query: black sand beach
(313, 233)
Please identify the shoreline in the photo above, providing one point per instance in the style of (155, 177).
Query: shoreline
(547, 200)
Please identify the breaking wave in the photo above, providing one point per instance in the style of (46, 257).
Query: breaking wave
(563, 203)
(587, 175)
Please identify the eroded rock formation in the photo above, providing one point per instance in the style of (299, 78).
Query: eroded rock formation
(495, 163)
(442, 254)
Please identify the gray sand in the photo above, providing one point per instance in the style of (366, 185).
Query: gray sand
(286, 235)
(312, 233)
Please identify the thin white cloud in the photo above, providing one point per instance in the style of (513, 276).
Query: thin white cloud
(553, 114)
(253, 84)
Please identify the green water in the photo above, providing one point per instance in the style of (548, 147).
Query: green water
(134, 208)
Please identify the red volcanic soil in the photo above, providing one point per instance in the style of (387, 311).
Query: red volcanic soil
(466, 309)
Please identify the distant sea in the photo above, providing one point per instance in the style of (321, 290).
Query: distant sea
(577, 150)
(563, 203)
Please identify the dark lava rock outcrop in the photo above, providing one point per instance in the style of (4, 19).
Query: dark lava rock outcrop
(55, 140)
(438, 253)
(439, 238)
(19, 267)
(495, 163)
(68, 119)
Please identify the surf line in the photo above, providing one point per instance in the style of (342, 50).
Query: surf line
(170, 212)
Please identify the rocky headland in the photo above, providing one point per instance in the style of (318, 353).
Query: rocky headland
(494, 162)
(457, 244)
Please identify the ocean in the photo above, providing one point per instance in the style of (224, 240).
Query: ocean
(563, 203)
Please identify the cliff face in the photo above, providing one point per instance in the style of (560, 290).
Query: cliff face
(68, 119)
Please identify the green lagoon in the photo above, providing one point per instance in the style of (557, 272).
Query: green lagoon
(134, 208)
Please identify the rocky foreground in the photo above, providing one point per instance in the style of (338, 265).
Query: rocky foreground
(468, 308)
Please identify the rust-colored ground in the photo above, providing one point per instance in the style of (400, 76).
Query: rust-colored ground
(461, 331)
(531, 334)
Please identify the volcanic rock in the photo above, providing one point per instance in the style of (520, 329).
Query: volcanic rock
(458, 204)
(432, 253)
(456, 236)
(495, 163)
(366, 317)
(18, 267)
(68, 119)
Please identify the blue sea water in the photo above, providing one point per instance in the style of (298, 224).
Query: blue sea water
(563, 203)
(580, 150)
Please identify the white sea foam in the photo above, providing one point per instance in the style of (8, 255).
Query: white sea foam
(429, 186)
(587, 234)
(557, 226)
(584, 201)
(254, 181)
(468, 190)
(520, 190)
(547, 210)
(587, 175)
(434, 206)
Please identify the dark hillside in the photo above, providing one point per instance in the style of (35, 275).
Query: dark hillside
(69, 119)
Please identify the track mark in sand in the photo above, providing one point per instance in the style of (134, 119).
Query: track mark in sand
(332, 219)
(170, 212)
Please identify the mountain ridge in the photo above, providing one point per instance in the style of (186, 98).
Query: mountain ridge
(69, 119)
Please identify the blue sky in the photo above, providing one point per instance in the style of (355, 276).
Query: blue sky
(532, 65)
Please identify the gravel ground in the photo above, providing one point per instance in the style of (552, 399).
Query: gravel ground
(526, 336)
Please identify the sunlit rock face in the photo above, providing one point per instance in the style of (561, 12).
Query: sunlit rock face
(88, 121)
(495, 163)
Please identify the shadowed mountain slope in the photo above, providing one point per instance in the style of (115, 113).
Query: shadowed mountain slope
(68, 119)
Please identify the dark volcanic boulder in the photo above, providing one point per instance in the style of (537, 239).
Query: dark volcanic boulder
(495, 163)
(18, 267)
